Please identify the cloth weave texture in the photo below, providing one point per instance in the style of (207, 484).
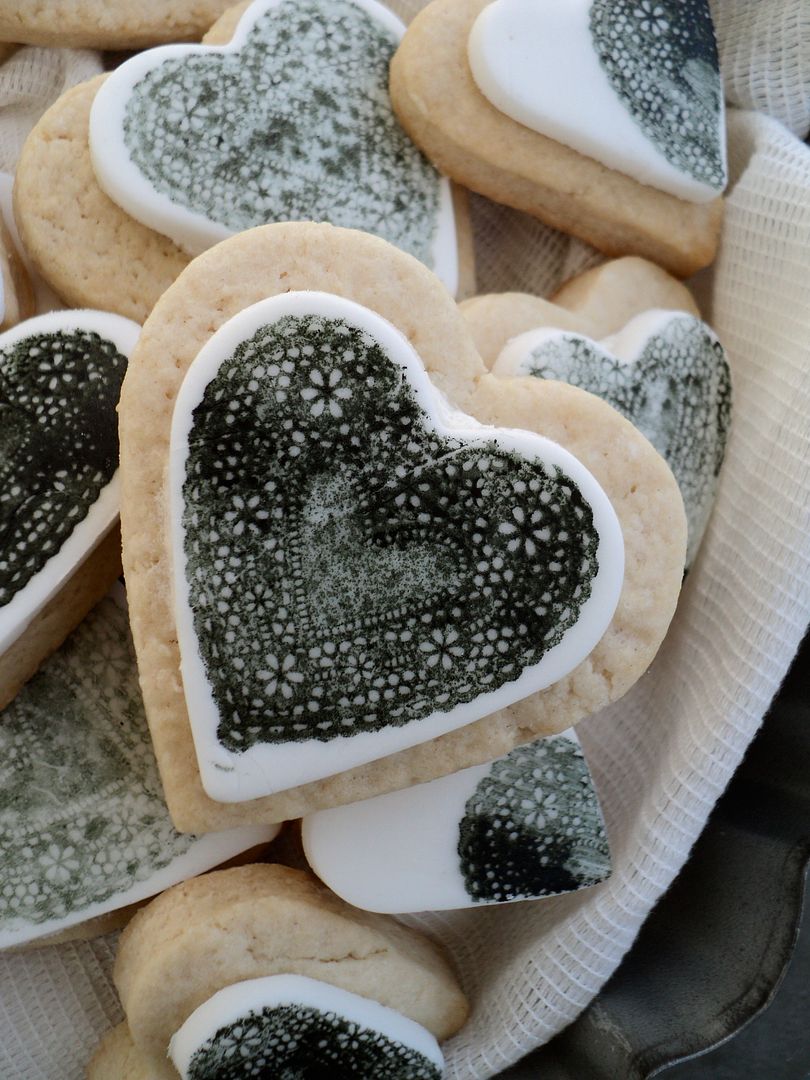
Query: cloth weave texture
(663, 754)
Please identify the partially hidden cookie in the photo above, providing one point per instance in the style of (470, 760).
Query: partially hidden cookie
(44, 298)
(94, 253)
(84, 831)
(667, 373)
(596, 303)
(106, 24)
(610, 295)
(16, 292)
(319, 393)
(216, 945)
(524, 827)
(61, 379)
(602, 119)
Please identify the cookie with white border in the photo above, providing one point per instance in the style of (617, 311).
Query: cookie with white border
(524, 827)
(667, 373)
(290, 121)
(231, 927)
(600, 119)
(84, 830)
(395, 289)
(85, 245)
(60, 379)
(107, 24)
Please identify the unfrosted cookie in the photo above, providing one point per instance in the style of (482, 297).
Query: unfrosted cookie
(391, 285)
(117, 1058)
(524, 827)
(90, 250)
(610, 295)
(628, 100)
(16, 291)
(106, 24)
(258, 921)
(61, 378)
(597, 303)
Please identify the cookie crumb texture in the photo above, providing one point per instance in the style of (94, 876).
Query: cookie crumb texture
(298, 1040)
(58, 444)
(384, 570)
(82, 816)
(107, 24)
(295, 126)
(660, 57)
(533, 826)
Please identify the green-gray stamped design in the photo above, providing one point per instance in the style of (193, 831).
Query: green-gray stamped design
(677, 392)
(349, 569)
(58, 443)
(299, 1042)
(661, 59)
(533, 826)
(82, 815)
(296, 126)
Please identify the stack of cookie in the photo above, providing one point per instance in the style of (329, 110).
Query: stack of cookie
(382, 550)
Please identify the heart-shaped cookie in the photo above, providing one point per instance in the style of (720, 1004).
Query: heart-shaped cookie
(634, 85)
(526, 826)
(83, 825)
(556, 66)
(289, 121)
(357, 567)
(60, 379)
(268, 262)
(289, 1025)
(667, 373)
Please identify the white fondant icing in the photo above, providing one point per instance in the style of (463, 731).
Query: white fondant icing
(399, 853)
(204, 853)
(267, 768)
(235, 1002)
(535, 62)
(126, 185)
(16, 615)
(46, 298)
(625, 345)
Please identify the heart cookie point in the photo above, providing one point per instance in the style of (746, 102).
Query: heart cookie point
(291, 121)
(355, 572)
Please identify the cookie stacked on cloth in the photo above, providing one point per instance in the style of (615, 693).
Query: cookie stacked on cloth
(381, 551)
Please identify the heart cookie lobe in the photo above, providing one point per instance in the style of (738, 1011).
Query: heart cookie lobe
(291, 121)
(523, 827)
(358, 568)
(667, 373)
(633, 85)
(291, 1025)
(60, 380)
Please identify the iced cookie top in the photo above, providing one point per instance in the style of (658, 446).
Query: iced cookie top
(291, 121)
(60, 380)
(358, 568)
(293, 1026)
(634, 84)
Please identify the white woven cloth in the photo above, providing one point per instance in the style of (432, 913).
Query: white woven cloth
(661, 756)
